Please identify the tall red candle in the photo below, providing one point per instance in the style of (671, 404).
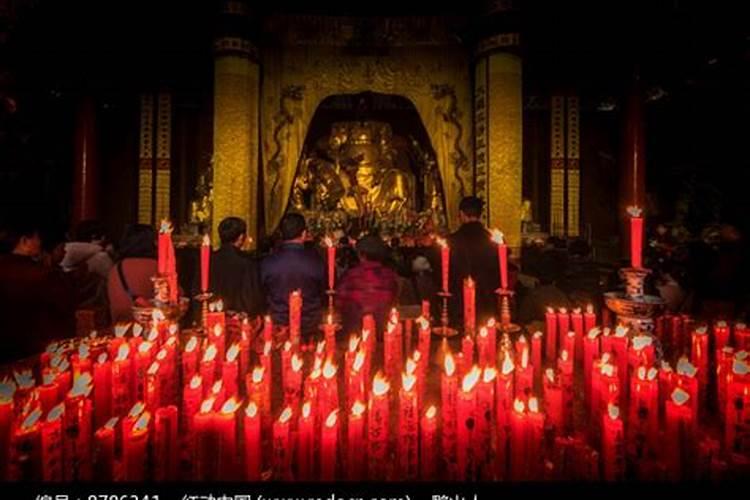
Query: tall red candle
(122, 396)
(230, 370)
(135, 448)
(576, 319)
(104, 452)
(613, 445)
(679, 435)
(524, 374)
(636, 236)
(295, 316)
(226, 428)
(721, 334)
(377, 428)
(205, 463)
(470, 306)
(550, 319)
(208, 366)
(519, 432)
(166, 445)
(620, 350)
(427, 449)
(563, 325)
(190, 358)
(78, 422)
(329, 446)
(485, 419)
(466, 427)
(205, 262)
(643, 417)
(467, 349)
(504, 403)
(445, 258)
(536, 356)
(448, 394)
(590, 353)
(355, 449)
(102, 390)
(331, 254)
(700, 356)
(502, 257)
(51, 444)
(535, 419)
(737, 408)
(553, 398)
(192, 396)
(589, 319)
(408, 426)
(251, 431)
(7, 390)
(26, 453)
(281, 446)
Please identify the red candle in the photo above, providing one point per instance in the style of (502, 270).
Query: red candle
(49, 392)
(636, 236)
(226, 428)
(377, 431)
(742, 336)
(565, 365)
(205, 463)
(721, 334)
(699, 355)
(329, 446)
(163, 241)
(134, 449)
(679, 435)
(208, 366)
(534, 448)
(293, 388)
(78, 422)
(104, 452)
(485, 418)
(590, 353)
(7, 391)
(613, 445)
(230, 370)
(424, 333)
(470, 306)
(620, 350)
(536, 356)
(265, 380)
(466, 411)
(569, 344)
(551, 338)
(141, 363)
(724, 375)
(504, 403)
(737, 408)
(467, 349)
(216, 335)
(267, 329)
(51, 443)
(589, 319)
(688, 381)
(251, 430)
(205, 262)
(218, 394)
(408, 428)
(122, 396)
(428, 454)
(563, 322)
(295, 316)
(502, 257)
(190, 358)
(355, 447)
(153, 387)
(576, 319)
(524, 374)
(641, 351)
(192, 396)
(445, 258)
(492, 341)
(331, 253)
(166, 448)
(391, 350)
(553, 398)
(102, 390)
(643, 418)
(448, 393)
(25, 454)
(519, 432)
(281, 446)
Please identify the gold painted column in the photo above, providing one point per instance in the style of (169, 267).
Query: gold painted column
(498, 122)
(236, 146)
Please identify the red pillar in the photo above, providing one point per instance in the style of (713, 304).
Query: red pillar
(633, 165)
(85, 166)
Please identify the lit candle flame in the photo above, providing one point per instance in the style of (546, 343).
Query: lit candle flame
(232, 353)
(740, 368)
(563, 310)
(161, 355)
(267, 348)
(287, 346)
(112, 423)
(208, 405)
(641, 342)
(230, 406)
(652, 373)
(564, 355)
(411, 366)
(191, 344)
(81, 385)
(408, 380)
(252, 409)
(594, 333)
(359, 361)
(218, 330)
(380, 385)
(680, 397)
(533, 405)
(518, 406)
(431, 412)
(102, 358)
(328, 241)
(613, 410)
(144, 347)
(442, 242)
(353, 343)
(621, 331)
(31, 420)
(296, 363)
(257, 374)
(470, 379)
(483, 332)
(210, 353)
(24, 379)
(56, 412)
(358, 408)
(525, 357)
(576, 310)
(498, 237)
(332, 419)
(153, 369)
(196, 382)
(608, 370)
(153, 336)
(489, 375)
(137, 330)
(306, 409)
(285, 415)
(449, 364)
(329, 369)
(508, 365)
(206, 240)
(141, 425)
(684, 367)
(216, 388)
(121, 329)
(83, 351)
(136, 410)
(537, 335)
(422, 323)
(123, 352)
(634, 211)
(550, 374)
(491, 323)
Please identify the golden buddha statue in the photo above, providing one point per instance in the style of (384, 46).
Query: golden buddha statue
(356, 170)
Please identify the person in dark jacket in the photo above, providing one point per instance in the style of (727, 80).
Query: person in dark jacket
(369, 287)
(291, 267)
(36, 302)
(474, 254)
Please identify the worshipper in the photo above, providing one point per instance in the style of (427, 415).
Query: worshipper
(370, 287)
(473, 254)
(87, 263)
(129, 280)
(234, 273)
(36, 303)
(292, 267)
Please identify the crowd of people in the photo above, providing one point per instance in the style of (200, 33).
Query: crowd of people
(43, 284)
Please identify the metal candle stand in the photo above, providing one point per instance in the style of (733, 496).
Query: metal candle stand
(633, 307)
(503, 302)
(204, 298)
(444, 330)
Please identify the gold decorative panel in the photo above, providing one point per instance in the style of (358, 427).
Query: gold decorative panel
(235, 168)
(504, 145)
(163, 155)
(145, 160)
(481, 80)
(557, 167)
(573, 191)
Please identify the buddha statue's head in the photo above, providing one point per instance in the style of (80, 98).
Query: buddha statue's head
(361, 154)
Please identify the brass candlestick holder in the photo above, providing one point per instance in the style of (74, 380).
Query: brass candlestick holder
(503, 303)
(143, 310)
(444, 330)
(204, 298)
(331, 293)
(633, 307)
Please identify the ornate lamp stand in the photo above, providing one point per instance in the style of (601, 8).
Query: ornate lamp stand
(444, 330)
(633, 307)
(503, 303)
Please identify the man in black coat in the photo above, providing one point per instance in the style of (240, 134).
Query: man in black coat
(234, 273)
(473, 253)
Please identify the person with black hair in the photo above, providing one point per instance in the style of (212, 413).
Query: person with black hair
(36, 303)
(291, 267)
(370, 287)
(87, 263)
(473, 254)
(130, 278)
(234, 273)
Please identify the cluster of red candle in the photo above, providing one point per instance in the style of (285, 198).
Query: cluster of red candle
(141, 406)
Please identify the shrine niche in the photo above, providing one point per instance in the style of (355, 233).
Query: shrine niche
(367, 164)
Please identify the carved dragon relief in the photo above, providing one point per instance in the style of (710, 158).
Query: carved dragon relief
(283, 119)
(452, 115)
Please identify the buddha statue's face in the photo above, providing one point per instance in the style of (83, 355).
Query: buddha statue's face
(367, 158)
